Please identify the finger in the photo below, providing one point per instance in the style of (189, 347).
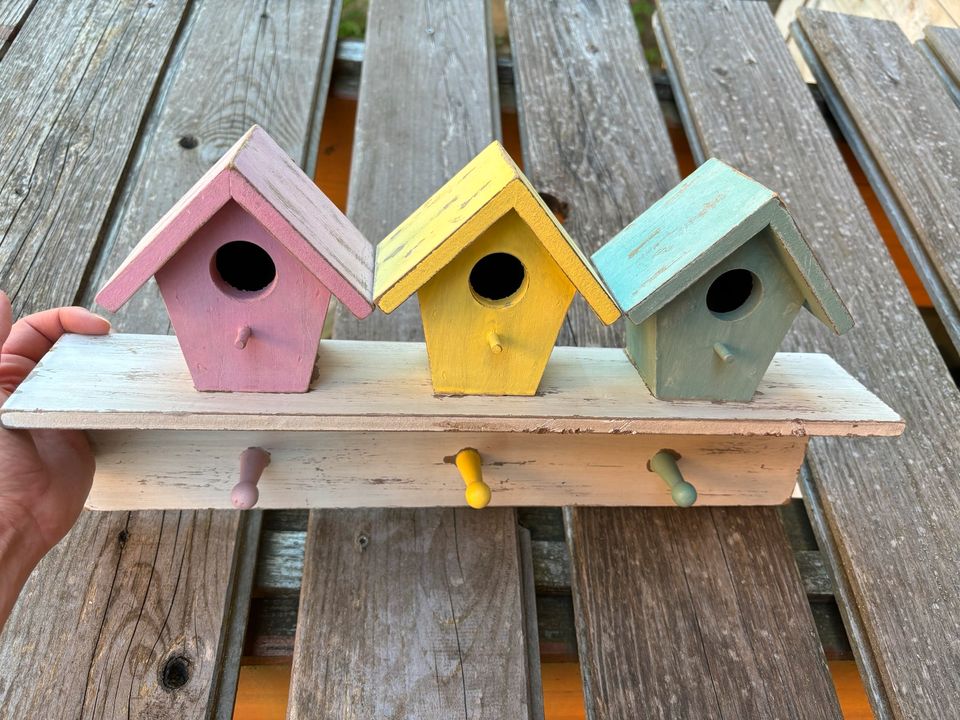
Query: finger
(6, 317)
(13, 370)
(31, 337)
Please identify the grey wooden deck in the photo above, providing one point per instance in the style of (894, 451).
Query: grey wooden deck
(110, 109)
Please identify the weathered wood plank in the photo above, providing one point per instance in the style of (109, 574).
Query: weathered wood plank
(900, 121)
(280, 565)
(74, 101)
(941, 46)
(531, 629)
(891, 507)
(563, 127)
(140, 382)
(912, 17)
(666, 626)
(12, 15)
(427, 106)
(689, 619)
(271, 54)
(185, 570)
(410, 613)
(160, 444)
(122, 619)
(945, 41)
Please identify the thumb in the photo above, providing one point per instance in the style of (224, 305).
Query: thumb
(6, 317)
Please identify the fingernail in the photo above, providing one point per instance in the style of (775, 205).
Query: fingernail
(92, 314)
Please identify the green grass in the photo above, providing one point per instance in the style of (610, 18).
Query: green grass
(353, 20)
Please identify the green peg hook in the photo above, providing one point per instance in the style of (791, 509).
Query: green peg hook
(664, 464)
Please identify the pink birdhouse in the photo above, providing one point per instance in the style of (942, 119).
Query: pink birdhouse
(246, 262)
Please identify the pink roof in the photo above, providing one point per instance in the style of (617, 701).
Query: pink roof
(258, 175)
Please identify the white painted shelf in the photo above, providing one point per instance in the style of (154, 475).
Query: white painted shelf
(370, 432)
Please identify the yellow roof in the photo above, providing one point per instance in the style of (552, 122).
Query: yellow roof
(486, 189)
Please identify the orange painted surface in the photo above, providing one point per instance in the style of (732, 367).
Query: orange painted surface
(336, 149)
(562, 692)
(850, 690)
(262, 692)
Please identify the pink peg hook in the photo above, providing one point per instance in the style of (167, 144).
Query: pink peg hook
(243, 335)
(253, 461)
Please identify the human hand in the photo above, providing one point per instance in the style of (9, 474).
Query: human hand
(45, 475)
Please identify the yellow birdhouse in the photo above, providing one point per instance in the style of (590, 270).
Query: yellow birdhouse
(494, 272)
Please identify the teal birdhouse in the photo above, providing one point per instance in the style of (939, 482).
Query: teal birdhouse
(710, 278)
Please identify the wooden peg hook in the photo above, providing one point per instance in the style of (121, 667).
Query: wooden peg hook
(243, 336)
(664, 464)
(468, 462)
(253, 461)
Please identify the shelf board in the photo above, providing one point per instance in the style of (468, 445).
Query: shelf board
(140, 382)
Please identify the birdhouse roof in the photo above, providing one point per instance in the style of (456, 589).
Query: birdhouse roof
(258, 175)
(698, 224)
(486, 189)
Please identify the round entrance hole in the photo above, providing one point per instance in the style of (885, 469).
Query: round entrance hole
(733, 294)
(497, 277)
(244, 266)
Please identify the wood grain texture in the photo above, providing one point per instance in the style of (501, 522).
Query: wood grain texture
(123, 602)
(912, 17)
(148, 469)
(649, 646)
(905, 125)
(705, 583)
(944, 44)
(74, 100)
(124, 594)
(242, 63)
(564, 129)
(425, 110)
(427, 105)
(140, 382)
(12, 14)
(411, 611)
(891, 509)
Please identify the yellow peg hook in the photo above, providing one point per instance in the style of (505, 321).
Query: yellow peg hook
(468, 462)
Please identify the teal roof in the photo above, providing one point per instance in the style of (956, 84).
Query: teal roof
(701, 221)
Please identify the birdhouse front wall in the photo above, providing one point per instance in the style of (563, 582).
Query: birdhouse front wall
(247, 314)
(489, 328)
(716, 339)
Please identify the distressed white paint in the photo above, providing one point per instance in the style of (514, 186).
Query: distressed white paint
(140, 382)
